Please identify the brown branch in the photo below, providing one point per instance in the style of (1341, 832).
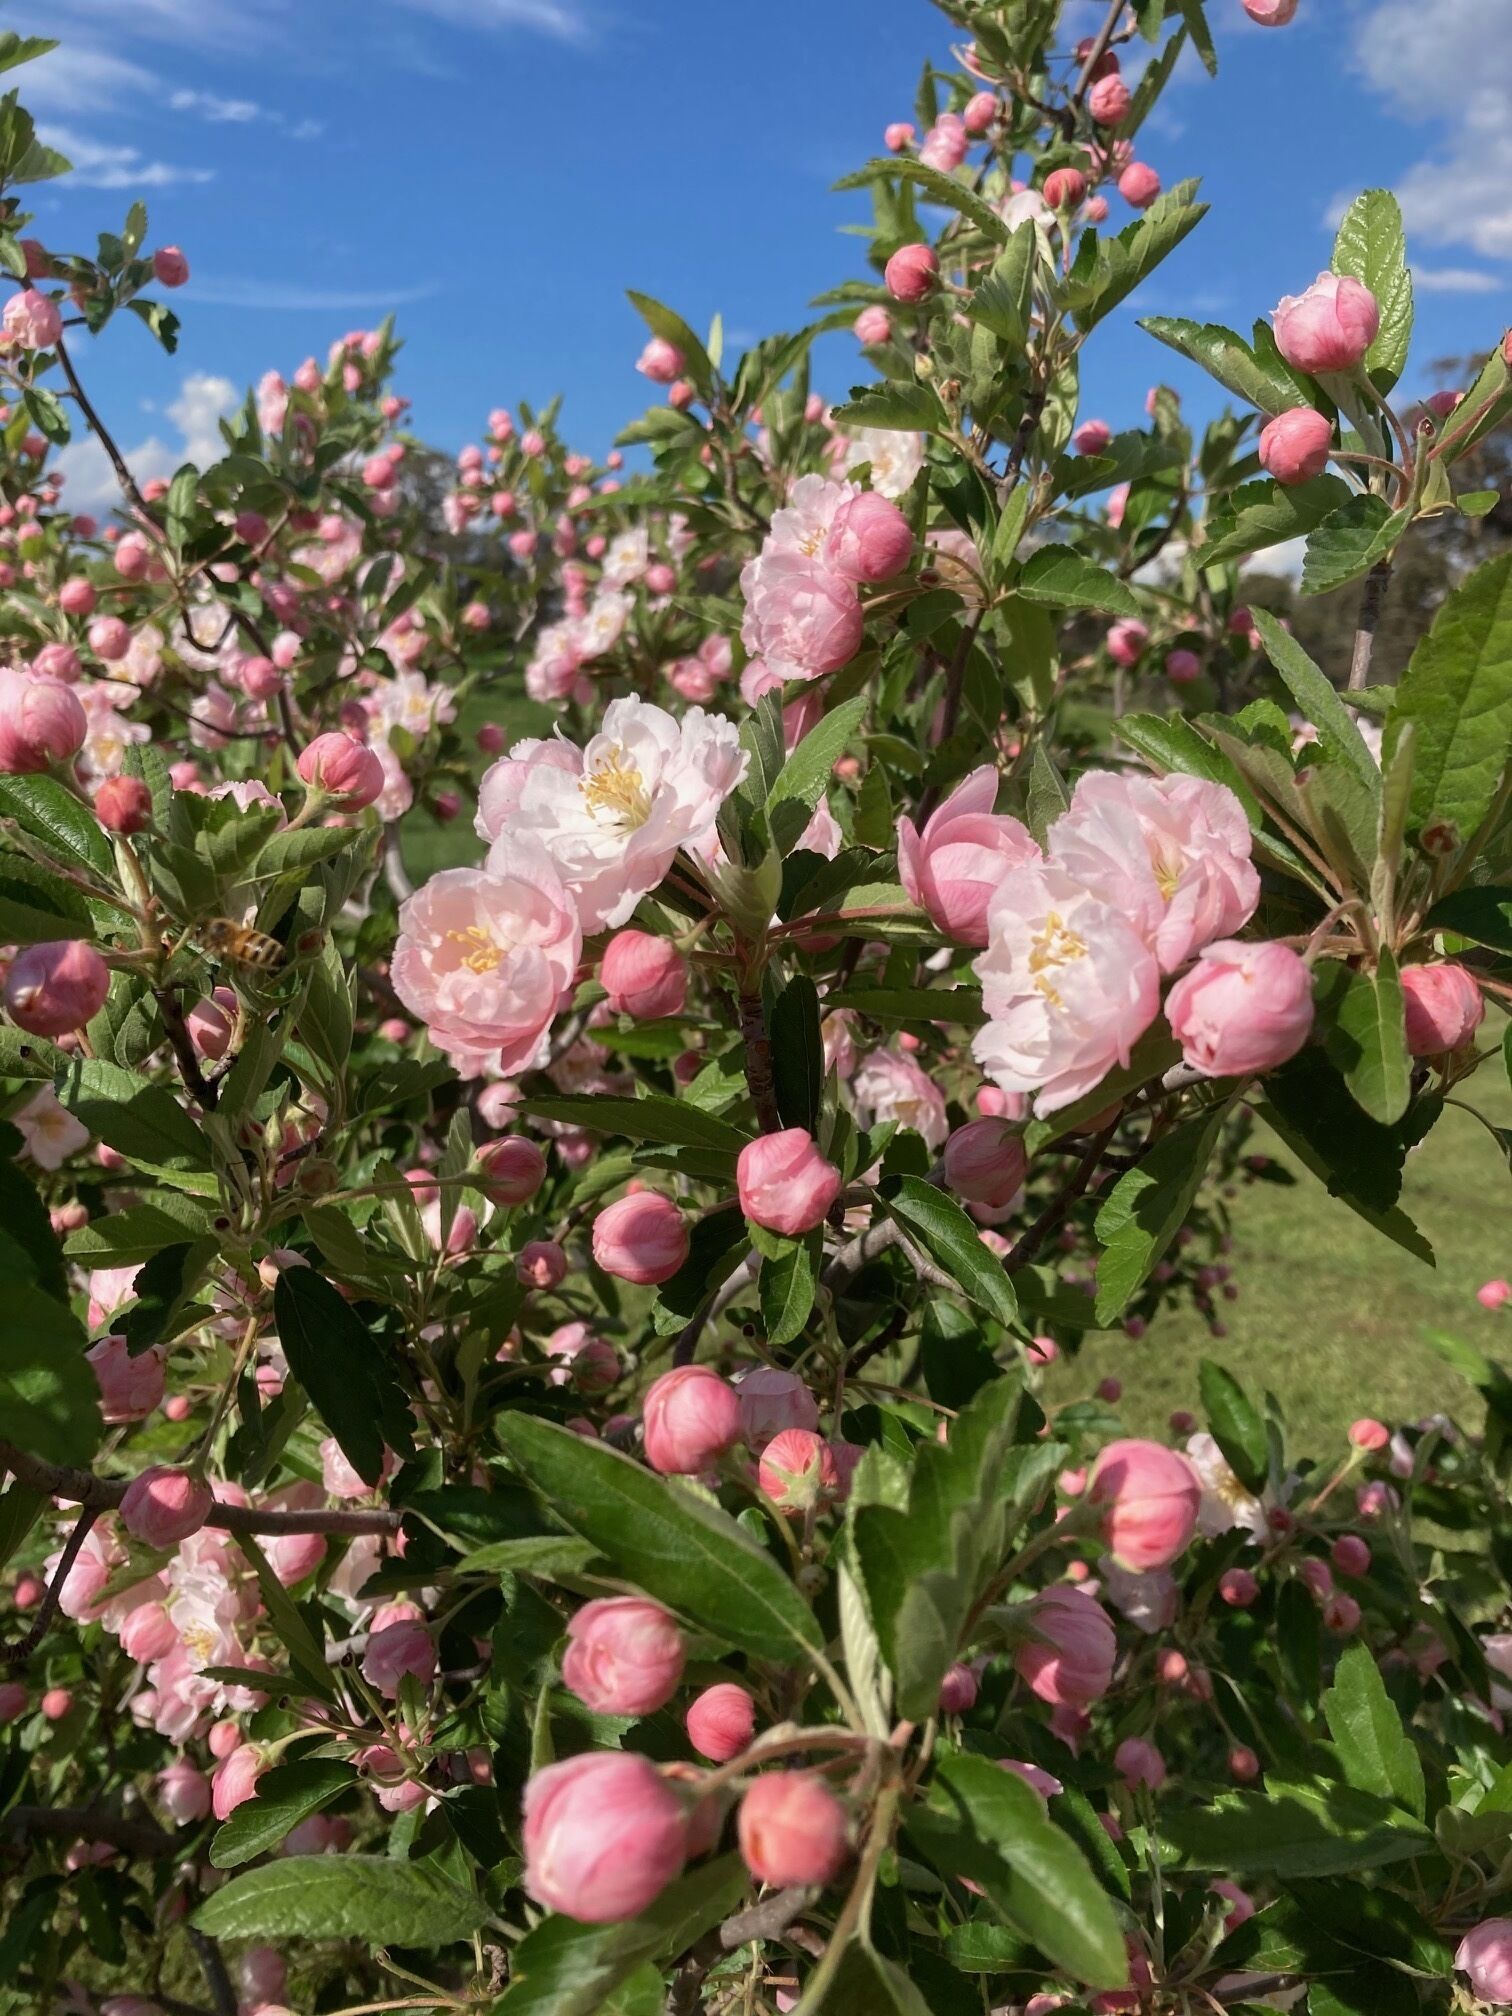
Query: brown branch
(103, 435)
(85, 1823)
(1097, 52)
(767, 1920)
(217, 1980)
(1372, 602)
(18, 1653)
(1055, 1212)
(182, 1044)
(758, 1061)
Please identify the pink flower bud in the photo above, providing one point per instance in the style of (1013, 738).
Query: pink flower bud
(260, 678)
(1270, 13)
(58, 661)
(912, 273)
(77, 597)
(511, 1170)
(1069, 1660)
(1494, 1295)
(873, 324)
(1127, 640)
(262, 1974)
(642, 1238)
(1341, 1615)
(1369, 1435)
(1243, 1764)
(644, 976)
(1330, 326)
(721, 1722)
(691, 1418)
(1139, 185)
(1139, 1763)
(660, 361)
(1350, 1555)
(1444, 1007)
(1182, 667)
(403, 1649)
(869, 539)
(604, 1835)
(954, 866)
(1108, 101)
(1065, 188)
(132, 558)
(784, 1183)
(1485, 1954)
(41, 723)
(796, 1469)
(163, 1506)
(1243, 1008)
(772, 1400)
(958, 1690)
(1092, 437)
(346, 770)
(792, 1829)
(897, 136)
(1296, 445)
(542, 1264)
(979, 112)
(183, 1791)
(210, 1024)
(109, 638)
(235, 1780)
(1150, 1498)
(625, 1656)
(31, 320)
(985, 1163)
(12, 1701)
(57, 986)
(1238, 1588)
(55, 1703)
(123, 805)
(169, 266)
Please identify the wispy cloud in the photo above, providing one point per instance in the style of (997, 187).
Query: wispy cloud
(80, 77)
(1455, 280)
(196, 412)
(219, 111)
(280, 295)
(562, 19)
(96, 166)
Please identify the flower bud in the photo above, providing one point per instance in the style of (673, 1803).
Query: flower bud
(691, 1417)
(1444, 1007)
(625, 1656)
(1494, 1295)
(772, 1400)
(31, 320)
(898, 135)
(1139, 1763)
(784, 1183)
(1139, 185)
(344, 769)
(1069, 1660)
(109, 638)
(123, 805)
(1182, 667)
(1270, 13)
(796, 1469)
(869, 539)
(958, 1690)
(792, 1829)
(262, 1974)
(1092, 437)
(660, 361)
(41, 723)
(912, 273)
(1296, 445)
(1485, 1954)
(183, 1791)
(55, 987)
(1330, 326)
(1243, 1008)
(211, 1023)
(542, 1264)
(1350, 1555)
(1150, 1497)
(1108, 101)
(58, 661)
(1243, 1764)
(979, 112)
(643, 1238)
(721, 1722)
(1369, 1435)
(163, 1506)
(604, 1835)
(235, 1780)
(12, 1701)
(1065, 188)
(510, 1170)
(644, 976)
(985, 1163)
(1127, 640)
(1341, 1615)
(169, 266)
(873, 324)
(1238, 1588)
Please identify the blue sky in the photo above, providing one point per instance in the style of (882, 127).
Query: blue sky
(499, 171)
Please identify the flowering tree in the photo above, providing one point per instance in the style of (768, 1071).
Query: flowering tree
(529, 1481)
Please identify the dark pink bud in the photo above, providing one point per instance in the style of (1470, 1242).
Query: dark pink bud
(123, 805)
(55, 987)
(344, 769)
(912, 273)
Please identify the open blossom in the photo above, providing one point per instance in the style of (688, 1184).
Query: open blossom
(1068, 984)
(962, 856)
(894, 458)
(802, 617)
(485, 958)
(644, 786)
(1172, 854)
(887, 1086)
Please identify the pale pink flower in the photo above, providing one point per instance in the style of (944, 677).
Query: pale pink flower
(953, 867)
(801, 617)
(887, 1086)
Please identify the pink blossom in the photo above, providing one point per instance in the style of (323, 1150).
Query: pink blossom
(642, 1238)
(1330, 326)
(1150, 1498)
(660, 361)
(604, 1835)
(624, 1656)
(235, 1780)
(1243, 1008)
(1296, 445)
(1444, 1007)
(1069, 1660)
(887, 1086)
(691, 1417)
(966, 850)
(792, 1829)
(31, 320)
(721, 1722)
(130, 1387)
(784, 1183)
(1485, 1954)
(41, 723)
(873, 324)
(1139, 185)
(772, 1400)
(801, 617)
(398, 1650)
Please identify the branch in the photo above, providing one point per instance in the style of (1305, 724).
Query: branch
(758, 1062)
(1097, 52)
(18, 1653)
(217, 1980)
(84, 1823)
(767, 1920)
(195, 1081)
(1372, 602)
(1055, 1211)
(103, 435)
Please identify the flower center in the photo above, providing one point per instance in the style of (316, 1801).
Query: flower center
(1167, 867)
(616, 790)
(1051, 947)
(483, 953)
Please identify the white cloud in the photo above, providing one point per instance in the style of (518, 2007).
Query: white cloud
(219, 111)
(79, 77)
(1455, 280)
(96, 166)
(284, 295)
(202, 400)
(562, 19)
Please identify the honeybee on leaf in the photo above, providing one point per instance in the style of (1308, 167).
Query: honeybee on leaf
(238, 944)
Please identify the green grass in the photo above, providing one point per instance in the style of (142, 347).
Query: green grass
(1332, 1315)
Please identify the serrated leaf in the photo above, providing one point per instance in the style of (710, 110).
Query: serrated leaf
(1264, 514)
(284, 1796)
(1293, 1831)
(1067, 579)
(1147, 1207)
(1236, 1424)
(372, 1898)
(1363, 1025)
(1337, 729)
(1377, 1753)
(786, 1285)
(1349, 542)
(1372, 247)
(953, 1242)
(1228, 358)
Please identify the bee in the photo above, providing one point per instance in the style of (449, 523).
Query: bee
(239, 944)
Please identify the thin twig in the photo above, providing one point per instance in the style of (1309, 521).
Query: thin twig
(217, 1980)
(18, 1653)
(1097, 52)
(1051, 1218)
(1372, 602)
(84, 1823)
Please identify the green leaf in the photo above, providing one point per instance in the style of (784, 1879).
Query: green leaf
(1236, 1423)
(1348, 542)
(140, 1120)
(669, 325)
(798, 1053)
(343, 1368)
(1004, 301)
(48, 811)
(1483, 914)
(903, 405)
(1377, 1753)
(804, 778)
(866, 1984)
(1358, 1159)
(953, 1242)
(1457, 693)
(1262, 514)
(1292, 1831)
(37, 908)
(1315, 695)
(673, 1122)
(1067, 579)
(786, 1285)
(371, 1898)
(303, 1641)
(16, 48)
(680, 1549)
(937, 186)
(1119, 264)
(986, 1824)
(1363, 1024)
(1270, 386)
(1372, 247)
(285, 1795)
(1171, 743)
(135, 1234)
(1147, 1207)
(957, 1004)
(49, 1400)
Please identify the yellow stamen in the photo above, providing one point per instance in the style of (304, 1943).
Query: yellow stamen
(484, 955)
(617, 790)
(1052, 947)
